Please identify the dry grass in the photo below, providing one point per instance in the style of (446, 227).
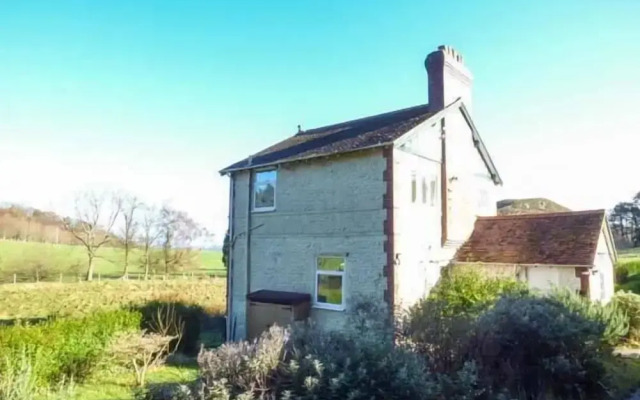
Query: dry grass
(33, 300)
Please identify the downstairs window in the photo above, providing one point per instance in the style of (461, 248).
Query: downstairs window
(330, 282)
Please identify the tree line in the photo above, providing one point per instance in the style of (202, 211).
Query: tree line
(164, 235)
(624, 220)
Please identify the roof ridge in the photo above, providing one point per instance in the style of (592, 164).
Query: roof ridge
(351, 121)
(543, 215)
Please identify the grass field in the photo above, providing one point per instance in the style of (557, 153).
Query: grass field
(55, 259)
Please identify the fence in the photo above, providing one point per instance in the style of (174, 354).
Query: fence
(67, 278)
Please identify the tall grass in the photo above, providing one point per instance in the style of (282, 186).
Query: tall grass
(26, 301)
(17, 380)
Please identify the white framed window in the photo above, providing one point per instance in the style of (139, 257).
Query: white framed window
(329, 291)
(264, 190)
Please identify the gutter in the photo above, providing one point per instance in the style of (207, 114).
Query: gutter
(230, 270)
(248, 248)
(523, 265)
(291, 160)
(444, 228)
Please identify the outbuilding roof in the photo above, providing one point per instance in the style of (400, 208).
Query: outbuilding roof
(565, 238)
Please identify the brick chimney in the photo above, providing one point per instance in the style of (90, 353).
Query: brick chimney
(449, 78)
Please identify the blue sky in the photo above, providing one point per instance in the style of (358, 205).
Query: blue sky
(156, 96)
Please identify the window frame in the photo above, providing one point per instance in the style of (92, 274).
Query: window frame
(414, 187)
(254, 179)
(342, 274)
(434, 192)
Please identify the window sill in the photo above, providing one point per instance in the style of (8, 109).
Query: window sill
(263, 210)
(329, 307)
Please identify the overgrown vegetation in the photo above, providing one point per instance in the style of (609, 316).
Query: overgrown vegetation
(62, 349)
(28, 301)
(87, 331)
(474, 338)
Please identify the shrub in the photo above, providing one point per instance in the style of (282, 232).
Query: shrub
(360, 362)
(466, 291)
(441, 337)
(64, 349)
(140, 352)
(613, 317)
(629, 303)
(537, 348)
(621, 273)
(179, 320)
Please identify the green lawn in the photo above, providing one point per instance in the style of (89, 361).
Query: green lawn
(54, 259)
(121, 385)
(629, 259)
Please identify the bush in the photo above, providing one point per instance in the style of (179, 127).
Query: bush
(140, 352)
(466, 291)
(621, 273)
(180, 320)
(435, 333)
(360, 362)
(537, 348)
(611, 316)
(64, 349)
(629, 303)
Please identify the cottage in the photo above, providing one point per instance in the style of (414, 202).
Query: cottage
(573, 250)
(369, 208)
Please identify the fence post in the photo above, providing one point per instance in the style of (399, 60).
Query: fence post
(14, 279)
(60, 277)
(99, 277)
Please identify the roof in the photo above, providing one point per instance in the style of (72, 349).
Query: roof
(359, 134)
(565, 238)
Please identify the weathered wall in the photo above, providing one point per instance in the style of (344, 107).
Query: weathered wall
(418, 233)
(332, 206)
(471, 190)
(541, 278)
(601, 283)
(417, 222)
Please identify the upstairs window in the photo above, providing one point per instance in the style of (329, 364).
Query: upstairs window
(434, 192)
(264, 190)
(424, 190)
(330, 282)
(414, 188)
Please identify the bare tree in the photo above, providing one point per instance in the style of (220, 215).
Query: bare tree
(149, 234)
(130, 205)
(95, 216)
(178, 231)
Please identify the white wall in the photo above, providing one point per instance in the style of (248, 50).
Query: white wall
(418, 226)
(323, 207)
(601, 284)
(546, 278)
(471, 191)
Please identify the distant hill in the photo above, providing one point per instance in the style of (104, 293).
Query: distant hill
(537, 205)
(30, 224)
